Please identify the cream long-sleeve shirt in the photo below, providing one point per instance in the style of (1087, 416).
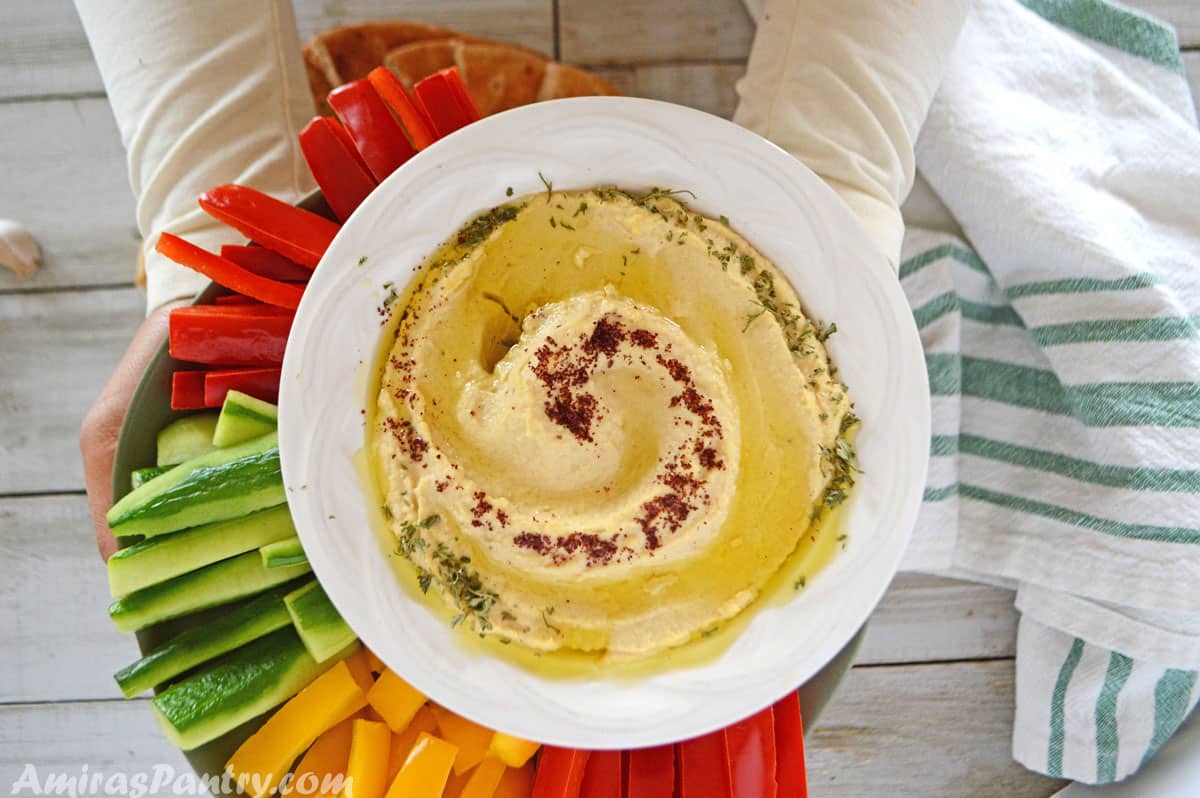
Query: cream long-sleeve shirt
(215, 91)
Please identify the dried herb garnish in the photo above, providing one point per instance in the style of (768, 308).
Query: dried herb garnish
(668, 193)
(549, 186)
(479, 228)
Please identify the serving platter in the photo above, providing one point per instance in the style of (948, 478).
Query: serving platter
(779, 206)
(150, 410)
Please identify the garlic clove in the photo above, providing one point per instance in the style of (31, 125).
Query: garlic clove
(18, 249)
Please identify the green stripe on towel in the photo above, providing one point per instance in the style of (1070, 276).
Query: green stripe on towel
(1080, 285)
(949, 302)
(964, 256)
(1172, 700)
(1065, 515)
(1108, 741)
(1134, 33)
(940, 494)
(1101, 404)
(1113, 476)
(1054, 753)
(1172, 328)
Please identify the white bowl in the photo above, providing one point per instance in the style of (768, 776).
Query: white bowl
(787, 213)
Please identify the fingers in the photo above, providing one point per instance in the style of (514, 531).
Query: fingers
(101, 426)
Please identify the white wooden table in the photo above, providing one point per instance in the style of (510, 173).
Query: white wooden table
(927, 710)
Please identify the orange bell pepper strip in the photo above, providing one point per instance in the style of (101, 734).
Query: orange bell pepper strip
(376, 134)
(651, 772)
(335, 165)
(419, 127)
(402, 744)
(704, 767)
(751, 744)
(789, 747)
(296, 234)
(266, 263)
(322, 770)
(437, 95)
(485, 779)
(559, 772)
(424, 773)
(602, 777)
(473, 740)
(516, 783)
(229, 274)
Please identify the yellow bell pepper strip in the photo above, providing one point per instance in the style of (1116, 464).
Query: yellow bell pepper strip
(261, 761)
(473, 740)
(395, 700)
(485, 778)
(422, 723)
(512, 751)
(227, 273)
(424, 772)
(324, 763)
(360, 668)
(366, 772)
(516, 783)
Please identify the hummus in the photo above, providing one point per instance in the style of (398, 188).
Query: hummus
(604, 423)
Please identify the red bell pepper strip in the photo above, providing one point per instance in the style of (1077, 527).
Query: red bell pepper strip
(230, 300)
(751, 744)
(335, 165)
(229, 274)
(436, 94)
(259, 383)
(266, 263)
(375, 132)
(704, 767)
(187, 390)
(294, 233)
(602, 778)
(559, 772)
(419, 127)
(789, 747)
(651, 772)
(229, 335)
(465, 102)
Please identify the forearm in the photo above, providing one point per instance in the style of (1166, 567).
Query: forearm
(204, 93)
(845, 88)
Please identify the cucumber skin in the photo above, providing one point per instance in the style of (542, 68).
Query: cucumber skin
(164, 557)
(241, 685)
(199, 644)
(283, 552)
(244, 417)
(321, 627)
(140, 476)
(217, 486)
(210, 586)
(185, 438)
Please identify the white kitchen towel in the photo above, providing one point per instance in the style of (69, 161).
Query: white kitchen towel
(1063, 347)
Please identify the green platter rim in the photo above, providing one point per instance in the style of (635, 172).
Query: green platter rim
(150, 410)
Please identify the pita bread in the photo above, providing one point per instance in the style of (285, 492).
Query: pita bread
(349, 53)
(563, 80)
(498, 76)
(414, 61)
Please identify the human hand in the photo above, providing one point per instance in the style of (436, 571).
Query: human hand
(102, 425)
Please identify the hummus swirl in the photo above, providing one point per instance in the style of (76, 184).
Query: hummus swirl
(604, 423)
